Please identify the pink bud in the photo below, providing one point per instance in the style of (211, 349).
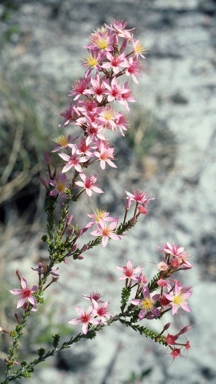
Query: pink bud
(18, 274)
(128, 202)
(70, 218)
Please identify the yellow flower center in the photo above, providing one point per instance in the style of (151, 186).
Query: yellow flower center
(91, 61)
(60, 187)
(99, 214)
(102, 43)
(178, 299)
(61, 140)
(147, 304)
(139, 48)
(108, 114)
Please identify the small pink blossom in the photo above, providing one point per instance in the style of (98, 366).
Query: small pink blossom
(147, 305)
(141, 280)
(115, 62)
(176, 352)
(63, 142)
(60, 185)
(42, 268)
(162, 283)
(79, 88)
(126, 96)
(93, 296)
(133, 69)
(70, 114)
(178, 298)
(99, 214)
(97, 89)
(85, 318)
(114, 90)
(25, 294)
(162, 266)
(89, 184)
(138, 48)
(105, 154)
(72, 161)
(106, 231)
(178, 253)
(129, 272)
(119, 27)
(101, 311)
(171, 339)
(121, 123)
(139, 197)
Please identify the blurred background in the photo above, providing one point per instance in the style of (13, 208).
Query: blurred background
(169, 151)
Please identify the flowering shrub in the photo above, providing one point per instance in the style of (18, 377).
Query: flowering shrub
(113, 53)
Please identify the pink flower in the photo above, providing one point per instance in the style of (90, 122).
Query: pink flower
(63, 142)
(162, 266)
(133, 69)
(73, 161)
(79, 87)
(162, 283)
(141, 280)
(89, 184)
(106, 231)
(138, 48)
(176, 352)
(114, 90)
(101, 311)
(108, 118)
(178, 298)
(142, 209)
(126, 96)
(60, 185)
(171, 339)
(101, 41)
(25, 294)
(115, 62)
(93, 296)
(84, 148)
(70, 114)
(98, 88)
(105, 154)
(99, 214)
(119, 27)
(139, 197)
(85, 318)
(121, 123)
(147, 305)
(178, 253)
(129, 272)
(42, 268)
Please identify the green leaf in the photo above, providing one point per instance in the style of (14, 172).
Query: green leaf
(56, 339)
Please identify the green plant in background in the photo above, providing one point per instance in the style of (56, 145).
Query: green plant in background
(25, 129)
(6, 10)
(152, 142)
(138, 378)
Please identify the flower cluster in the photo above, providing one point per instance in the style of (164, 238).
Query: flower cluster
(164, 293)
(97, 313)
(113, 52)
